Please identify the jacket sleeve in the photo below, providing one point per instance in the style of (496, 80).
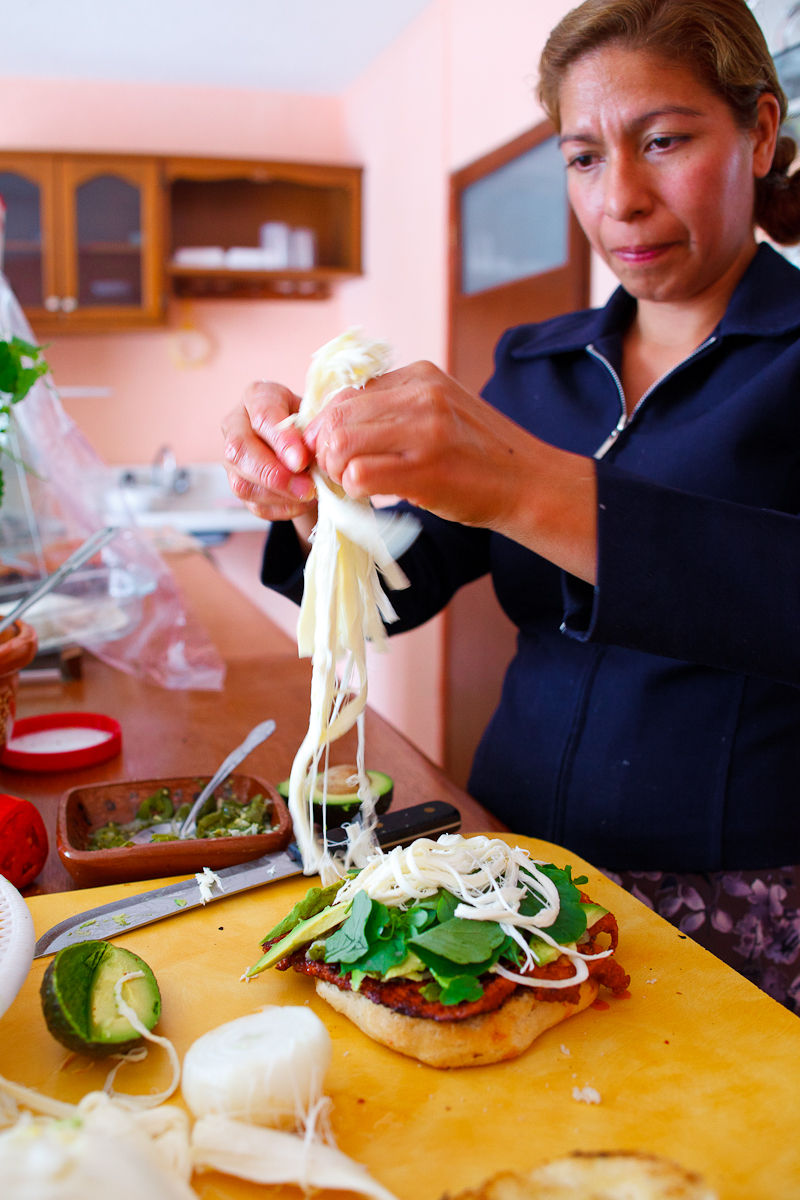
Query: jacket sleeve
(443, 558)
(692, 578)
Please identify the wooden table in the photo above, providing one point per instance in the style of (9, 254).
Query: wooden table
(189, 733)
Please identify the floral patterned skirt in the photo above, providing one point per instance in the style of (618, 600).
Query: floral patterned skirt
(749, 919)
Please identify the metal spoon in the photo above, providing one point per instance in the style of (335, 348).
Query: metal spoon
(89, 548)
(254, 738)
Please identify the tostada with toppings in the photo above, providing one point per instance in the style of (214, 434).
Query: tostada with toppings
(458, 952)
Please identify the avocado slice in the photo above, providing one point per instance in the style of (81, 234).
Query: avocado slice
(78, 998)
(543, 952)
(306, 931)
(593, 913)
(342, 798)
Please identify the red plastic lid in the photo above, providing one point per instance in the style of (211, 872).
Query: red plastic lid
(62, 741)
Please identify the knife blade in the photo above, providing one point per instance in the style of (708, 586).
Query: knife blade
(121, 916)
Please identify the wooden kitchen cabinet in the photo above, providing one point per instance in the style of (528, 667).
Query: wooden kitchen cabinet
(85, 240)
(224, 202)
(91, 238)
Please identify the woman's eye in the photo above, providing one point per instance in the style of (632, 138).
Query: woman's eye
(583, 161)
(664, 142)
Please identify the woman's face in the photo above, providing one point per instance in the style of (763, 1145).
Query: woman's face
(660, 175)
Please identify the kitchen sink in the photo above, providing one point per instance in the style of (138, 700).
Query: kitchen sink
(197, 500)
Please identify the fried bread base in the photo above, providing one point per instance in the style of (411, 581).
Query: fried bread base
(590, 1175)
(488, 1038)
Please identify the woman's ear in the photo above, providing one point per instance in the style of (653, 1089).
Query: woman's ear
(765, 134)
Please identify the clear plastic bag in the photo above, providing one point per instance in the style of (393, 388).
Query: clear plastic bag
(125, 605)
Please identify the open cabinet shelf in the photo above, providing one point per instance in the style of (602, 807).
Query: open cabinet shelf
(91, 239)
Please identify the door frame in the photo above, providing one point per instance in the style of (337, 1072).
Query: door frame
(578, 249)
(476, 613)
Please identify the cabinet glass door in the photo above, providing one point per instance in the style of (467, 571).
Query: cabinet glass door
(23, 246)
(109, 228)
(112, 242)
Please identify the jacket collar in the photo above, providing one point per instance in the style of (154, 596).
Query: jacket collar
(766, 303)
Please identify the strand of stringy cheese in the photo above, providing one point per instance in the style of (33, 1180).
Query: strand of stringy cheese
(491, 880)
(344, 607)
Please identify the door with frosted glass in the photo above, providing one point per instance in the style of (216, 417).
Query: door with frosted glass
(517, 255)
(27, 188)
(111, 246)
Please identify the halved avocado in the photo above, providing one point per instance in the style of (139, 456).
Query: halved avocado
(78, 998)
(342, 798)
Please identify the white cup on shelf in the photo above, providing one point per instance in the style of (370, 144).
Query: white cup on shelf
(273, 237)
(302, 249)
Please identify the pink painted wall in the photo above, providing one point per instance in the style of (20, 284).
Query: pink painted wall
(456, 83)
(154, 401)
(154, 118)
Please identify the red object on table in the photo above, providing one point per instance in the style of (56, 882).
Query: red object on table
(63, 760)
(23, 841)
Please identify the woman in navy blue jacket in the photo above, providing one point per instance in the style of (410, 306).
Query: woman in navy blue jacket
(632, 481)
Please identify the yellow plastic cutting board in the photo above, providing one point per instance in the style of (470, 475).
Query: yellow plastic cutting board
(698, 1065)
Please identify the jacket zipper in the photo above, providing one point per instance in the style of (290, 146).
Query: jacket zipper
(625, 420)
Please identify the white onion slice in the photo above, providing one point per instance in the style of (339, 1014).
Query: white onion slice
(268, 1067)
(267, 1156)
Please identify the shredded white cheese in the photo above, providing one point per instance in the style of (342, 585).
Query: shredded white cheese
(586, 1095)
(344, 607)
(205, 881)
(126, 1099)
(491, 880)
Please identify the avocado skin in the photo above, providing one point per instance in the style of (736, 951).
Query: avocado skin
(66, 994)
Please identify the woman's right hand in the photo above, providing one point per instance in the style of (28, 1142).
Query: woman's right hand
(267, 466)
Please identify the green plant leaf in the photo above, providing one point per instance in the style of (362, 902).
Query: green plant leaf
(382, 955)
(570, 924)
(349, 943)
(446, 908)
(443, 969)
(21, 364)
(461, 941)
(461, 988)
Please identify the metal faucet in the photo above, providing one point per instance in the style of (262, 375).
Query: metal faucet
(166, 473)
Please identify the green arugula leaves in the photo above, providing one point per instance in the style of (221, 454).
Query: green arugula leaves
(375, 939)
(349, 942)
(570, 924)
(460, 941)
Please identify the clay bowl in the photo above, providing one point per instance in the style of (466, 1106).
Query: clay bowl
(18, 647)
(81, 810)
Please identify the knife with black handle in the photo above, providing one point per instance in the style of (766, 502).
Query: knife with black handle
(121, 916)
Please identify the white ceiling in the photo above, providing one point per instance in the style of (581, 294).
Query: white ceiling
(316, 46)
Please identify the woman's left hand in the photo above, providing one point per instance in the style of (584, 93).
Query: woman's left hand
(418, 434)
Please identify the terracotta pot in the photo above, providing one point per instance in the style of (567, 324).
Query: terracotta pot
(18, 646)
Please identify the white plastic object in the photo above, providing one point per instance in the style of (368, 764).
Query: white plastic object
(273, 237)
(199, 256)
(16, 943)
(302, 249)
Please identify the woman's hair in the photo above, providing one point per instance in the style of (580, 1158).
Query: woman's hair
(721, 42)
